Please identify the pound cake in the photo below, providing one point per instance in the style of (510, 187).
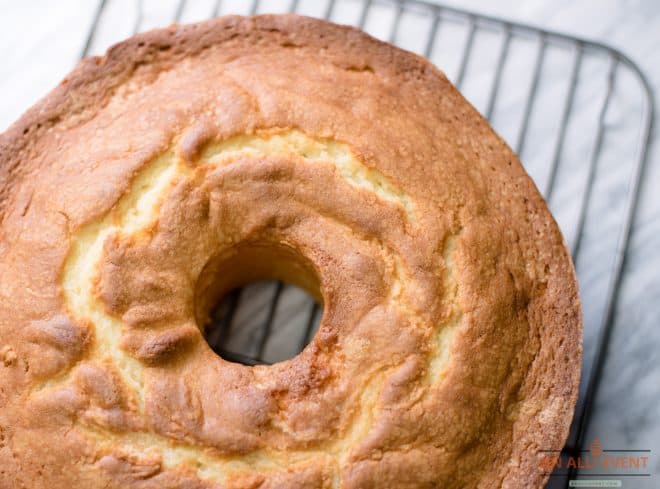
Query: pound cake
(190, 160)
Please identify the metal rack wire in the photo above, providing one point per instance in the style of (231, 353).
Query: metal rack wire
(578, 112)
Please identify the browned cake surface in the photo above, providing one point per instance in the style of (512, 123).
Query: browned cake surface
(190, 159)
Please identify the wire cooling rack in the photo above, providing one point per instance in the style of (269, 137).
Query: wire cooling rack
(578, 113)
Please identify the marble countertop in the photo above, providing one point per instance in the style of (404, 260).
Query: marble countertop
(627, 409)
(40, 41)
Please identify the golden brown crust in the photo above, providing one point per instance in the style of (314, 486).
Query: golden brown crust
(450, 346)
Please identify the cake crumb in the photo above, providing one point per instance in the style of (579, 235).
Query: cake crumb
(8, 355)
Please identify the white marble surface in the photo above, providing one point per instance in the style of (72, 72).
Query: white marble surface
(41, 40)
(627, 410)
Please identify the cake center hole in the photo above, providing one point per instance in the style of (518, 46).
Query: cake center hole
(259, 304)
(263, 322)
